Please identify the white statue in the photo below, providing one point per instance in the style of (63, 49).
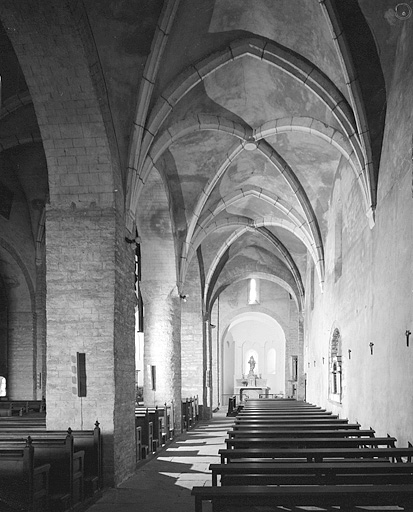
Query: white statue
(251, 362)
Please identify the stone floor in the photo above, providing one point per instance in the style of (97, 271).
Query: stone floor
(164, 483)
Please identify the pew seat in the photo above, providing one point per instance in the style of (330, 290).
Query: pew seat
(256, 432)
(317, 473)
(66, 475)
(309, 442)
(315, 454)
(347, 497)
(23, 486)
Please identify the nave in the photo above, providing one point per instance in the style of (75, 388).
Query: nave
(296, 448)
(283, 454)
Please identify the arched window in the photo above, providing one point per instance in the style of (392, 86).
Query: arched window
(2, 386)
(335, 367)
(254, 291)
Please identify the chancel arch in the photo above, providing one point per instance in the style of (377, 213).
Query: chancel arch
(253, 350)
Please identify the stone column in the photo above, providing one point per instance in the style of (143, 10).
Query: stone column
(90, 310)
(162, 345)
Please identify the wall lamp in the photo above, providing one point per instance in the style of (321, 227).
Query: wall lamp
(408, 333)
(371, 345)
(183, 297)
(136, 240)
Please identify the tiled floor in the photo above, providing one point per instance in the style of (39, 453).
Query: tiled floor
(164, 483)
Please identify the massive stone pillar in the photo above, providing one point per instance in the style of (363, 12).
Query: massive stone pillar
(90, 311)
(162, 346)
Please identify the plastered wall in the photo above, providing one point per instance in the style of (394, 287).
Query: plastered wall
(371, 302)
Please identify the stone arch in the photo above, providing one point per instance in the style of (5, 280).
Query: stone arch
(220, 253)
(21, 317)
(79, 81)
(259, 348)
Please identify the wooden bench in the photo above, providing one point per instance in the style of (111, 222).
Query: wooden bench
(190, 412)
(300, 426)
(23, 485)
(18, 421)
(232, 406)
(288, 421)
(256, 432)
(313, 473)
(143, 422)
(286, 414)
(66, 466)
(309, 442)
(154, 427)
(316, 454)
(88, 441)
(155, 416)
(345, 496)
(20, 407)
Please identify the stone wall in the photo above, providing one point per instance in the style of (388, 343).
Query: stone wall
(372, 301)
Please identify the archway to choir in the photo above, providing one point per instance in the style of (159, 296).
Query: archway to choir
(253, 354)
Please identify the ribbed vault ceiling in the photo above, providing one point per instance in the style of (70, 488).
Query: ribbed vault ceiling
(246, 112)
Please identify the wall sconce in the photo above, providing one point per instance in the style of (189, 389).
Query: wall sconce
(371, 345)
(323, 360)
(183, 297)
(314, 363)
(212, 326)
(408, 333)
(349, 353)
(136, 240)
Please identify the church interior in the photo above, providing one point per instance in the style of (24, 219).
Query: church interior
(201, 200)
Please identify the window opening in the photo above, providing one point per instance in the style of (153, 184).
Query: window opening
(335, 367)
(253, 291)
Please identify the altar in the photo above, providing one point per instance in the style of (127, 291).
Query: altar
(252, 392)
(251, 385)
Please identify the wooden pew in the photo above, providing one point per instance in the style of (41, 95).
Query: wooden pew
(232, 406)
(88, 441)
(256, 432)
(23, 485)
(275, 446)
(190, 412)
(5, 409)
(315, 454)
(344, 496)
(143, 422)
(288, 421)
(66, 466)
(154, 427)
(297, 426)
(312, 473)
(20, 407)
(309, 442)
(18, 421)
